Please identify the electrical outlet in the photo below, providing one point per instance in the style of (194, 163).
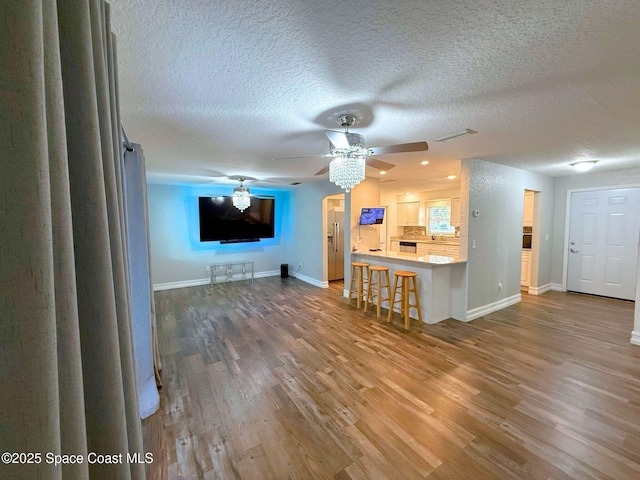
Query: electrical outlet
(473, 243)
(207, 269)
(299, 265)
(499, 285)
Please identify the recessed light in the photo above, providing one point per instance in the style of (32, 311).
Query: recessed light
(584, 166)
(451, 177)
(424, 162)
(382, 172)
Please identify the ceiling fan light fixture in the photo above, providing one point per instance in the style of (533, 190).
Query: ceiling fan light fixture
(347, 171)
(451, 136)
(241, 197)
(584, 166)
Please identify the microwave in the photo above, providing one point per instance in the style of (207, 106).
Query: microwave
(527, 234)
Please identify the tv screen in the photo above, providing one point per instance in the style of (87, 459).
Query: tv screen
(221, 221)
(372, 216)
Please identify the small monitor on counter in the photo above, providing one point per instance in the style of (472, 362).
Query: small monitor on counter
(372, 216)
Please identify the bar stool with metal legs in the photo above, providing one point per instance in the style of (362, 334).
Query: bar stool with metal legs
(358, 281)
(377, 273)
(403, 277)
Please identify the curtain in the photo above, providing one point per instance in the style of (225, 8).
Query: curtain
(67, 381)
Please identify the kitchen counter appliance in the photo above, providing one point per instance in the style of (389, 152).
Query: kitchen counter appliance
(527, 235)
(409, 247)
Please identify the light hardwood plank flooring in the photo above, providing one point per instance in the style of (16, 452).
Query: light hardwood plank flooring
(277, 379)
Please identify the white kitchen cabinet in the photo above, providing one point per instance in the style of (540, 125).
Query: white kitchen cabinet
(395, 246)
(452, 251)
(455, 212)
(527, 219)
(422, 248)
(408, 214)
(437, 249)
(525, 268)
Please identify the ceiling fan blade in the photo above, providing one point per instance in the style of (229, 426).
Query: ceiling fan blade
(401, 148)
(379, 164)
(339, 139)
(323, 171)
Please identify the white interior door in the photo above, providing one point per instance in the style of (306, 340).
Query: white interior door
(604, 227)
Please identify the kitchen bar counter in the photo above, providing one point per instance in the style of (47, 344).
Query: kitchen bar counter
(432, 260)
(441, 281)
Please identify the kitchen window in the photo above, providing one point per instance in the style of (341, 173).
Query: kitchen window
(439, 217)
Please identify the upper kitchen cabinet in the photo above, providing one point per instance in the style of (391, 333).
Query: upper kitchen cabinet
(408, 214)
(527, 220)
(455, 212)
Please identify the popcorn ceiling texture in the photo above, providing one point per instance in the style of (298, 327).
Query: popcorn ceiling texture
(220, 88)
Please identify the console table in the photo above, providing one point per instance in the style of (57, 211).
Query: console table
(231, 271)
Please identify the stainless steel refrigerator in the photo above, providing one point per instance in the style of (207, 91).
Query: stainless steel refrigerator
(335, 244)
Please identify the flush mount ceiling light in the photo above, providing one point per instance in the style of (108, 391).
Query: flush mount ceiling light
(452, 177)
(424, 162)
(450, 136)
(584, 166)
(241, 197)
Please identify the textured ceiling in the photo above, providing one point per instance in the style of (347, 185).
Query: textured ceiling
(219, 88)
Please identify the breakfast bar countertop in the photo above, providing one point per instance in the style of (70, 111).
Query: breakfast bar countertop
(426, 260)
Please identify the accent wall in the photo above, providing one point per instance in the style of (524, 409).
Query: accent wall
(179, 258)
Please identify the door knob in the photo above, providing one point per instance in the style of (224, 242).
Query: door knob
(572, 243)
(573, 250)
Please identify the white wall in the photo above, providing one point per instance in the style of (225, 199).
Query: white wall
(178, 258)
(497, 192)
(365, 195)
(307, 236)
(391, 218)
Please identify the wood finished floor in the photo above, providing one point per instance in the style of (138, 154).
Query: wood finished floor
(277, 379)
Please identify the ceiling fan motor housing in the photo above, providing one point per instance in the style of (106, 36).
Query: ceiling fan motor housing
(354, 139)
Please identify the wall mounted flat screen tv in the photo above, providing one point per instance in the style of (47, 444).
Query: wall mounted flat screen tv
(372, 216)
(221, 221)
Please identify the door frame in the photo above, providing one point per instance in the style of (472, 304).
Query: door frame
(567, 217)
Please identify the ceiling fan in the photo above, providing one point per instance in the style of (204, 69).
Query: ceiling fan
(348, 146)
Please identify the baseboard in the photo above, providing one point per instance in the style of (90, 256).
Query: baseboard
(205, 281)
(635, 338)
(557, 287)
(540, 290)
(312, 281)
(182, 284)
(268, 273)
(492, 307)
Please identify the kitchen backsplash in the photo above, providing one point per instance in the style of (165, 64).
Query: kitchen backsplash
(414, 231)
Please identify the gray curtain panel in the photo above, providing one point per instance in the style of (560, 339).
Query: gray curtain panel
(67, 381)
